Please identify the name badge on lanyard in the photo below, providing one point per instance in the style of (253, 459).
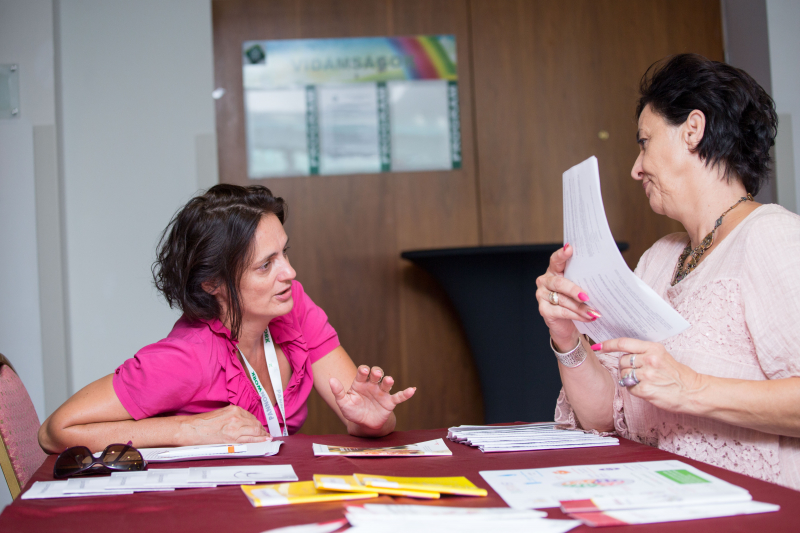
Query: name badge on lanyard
(277, 387)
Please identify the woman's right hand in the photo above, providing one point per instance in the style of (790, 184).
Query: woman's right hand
(228, 424)
(571, 302)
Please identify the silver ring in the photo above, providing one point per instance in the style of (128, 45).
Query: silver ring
(633, 358)
(553, 298)
(629, 380)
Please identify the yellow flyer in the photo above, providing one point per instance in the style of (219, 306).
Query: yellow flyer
(445, 485)
(351, 484)
(297, 492)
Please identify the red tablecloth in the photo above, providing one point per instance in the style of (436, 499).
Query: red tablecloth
(227, 509)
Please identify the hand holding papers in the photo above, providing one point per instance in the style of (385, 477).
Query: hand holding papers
(421, 449)
(629, 307)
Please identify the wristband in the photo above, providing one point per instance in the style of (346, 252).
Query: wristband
(572, 358)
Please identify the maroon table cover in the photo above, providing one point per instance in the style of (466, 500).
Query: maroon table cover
(225, 509)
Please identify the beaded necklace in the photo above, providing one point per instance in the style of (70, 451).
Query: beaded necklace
(689, 258)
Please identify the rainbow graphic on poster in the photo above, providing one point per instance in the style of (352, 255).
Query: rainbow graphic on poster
(293, 63)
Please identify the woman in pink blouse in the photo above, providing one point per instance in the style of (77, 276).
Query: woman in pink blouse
(246, 320)
(725, 391)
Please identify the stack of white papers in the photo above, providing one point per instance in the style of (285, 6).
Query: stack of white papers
(381, 518)
(161, 480)
(526, 437)
(211, 451)
(625, 493)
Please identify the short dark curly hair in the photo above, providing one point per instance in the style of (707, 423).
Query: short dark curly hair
(210, 240)
(741, 122)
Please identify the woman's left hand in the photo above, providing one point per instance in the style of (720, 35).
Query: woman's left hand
(663, 381)
(368, 403)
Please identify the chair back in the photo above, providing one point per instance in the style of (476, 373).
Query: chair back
(20, 454)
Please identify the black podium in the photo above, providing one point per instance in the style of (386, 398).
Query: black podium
(493, 288)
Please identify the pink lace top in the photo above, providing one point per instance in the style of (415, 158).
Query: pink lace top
(742, 302)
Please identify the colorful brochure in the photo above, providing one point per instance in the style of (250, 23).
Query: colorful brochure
(590, 488)
(673, 514)
(297, 492)
(421, 449)
(460, 485)
(351, 484)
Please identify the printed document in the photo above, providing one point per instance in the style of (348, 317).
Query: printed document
(673, 514)
(211, 451)
(239, 475)
(526, 437)
(629, 307)
(421, 449)
(612, 486)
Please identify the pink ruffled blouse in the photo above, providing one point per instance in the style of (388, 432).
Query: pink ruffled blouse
(743, 304)
(196, 369)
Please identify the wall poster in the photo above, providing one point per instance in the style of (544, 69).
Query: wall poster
(347, 106)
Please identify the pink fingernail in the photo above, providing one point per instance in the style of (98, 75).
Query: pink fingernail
(592, 312)
(597, 347)
(583, 297)
(593, 319)
(566, 245)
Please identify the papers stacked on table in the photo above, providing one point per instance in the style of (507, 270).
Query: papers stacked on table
(625, 493)
(421, 449)
(160, 480)
(211, 451)
(526, 437)
(414, 487)
(378, 518)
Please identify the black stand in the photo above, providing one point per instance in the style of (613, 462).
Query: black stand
(493, 288)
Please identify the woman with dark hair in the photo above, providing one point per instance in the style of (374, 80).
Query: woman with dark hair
(240, 363)
(725, 391)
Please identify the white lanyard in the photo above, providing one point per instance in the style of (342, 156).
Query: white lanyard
(277, 387)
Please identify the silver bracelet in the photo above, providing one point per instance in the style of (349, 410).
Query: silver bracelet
(572, 358)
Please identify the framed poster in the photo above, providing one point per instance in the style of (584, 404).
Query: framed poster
(348, 106)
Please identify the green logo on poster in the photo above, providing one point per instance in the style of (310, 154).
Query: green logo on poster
(256, 55)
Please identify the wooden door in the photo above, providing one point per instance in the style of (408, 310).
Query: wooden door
(538, 81)
(347, 232)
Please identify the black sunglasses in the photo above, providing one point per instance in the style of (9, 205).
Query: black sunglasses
(79, 460)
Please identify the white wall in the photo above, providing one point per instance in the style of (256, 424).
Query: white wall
(116, 132)
(136, 82)
(26, 39)
(783, 17)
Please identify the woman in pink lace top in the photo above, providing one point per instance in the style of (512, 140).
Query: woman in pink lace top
(246, 321)
(725, 391)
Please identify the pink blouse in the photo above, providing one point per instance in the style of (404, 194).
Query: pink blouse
(743, 304)
(196, 369)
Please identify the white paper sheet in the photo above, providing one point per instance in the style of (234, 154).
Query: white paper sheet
(632, 485)
(319, 527)
(55, 489)
(385, 518)
(155, 479)
(242, 475)
(678, 514)
(214, 451)
(629, 307)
